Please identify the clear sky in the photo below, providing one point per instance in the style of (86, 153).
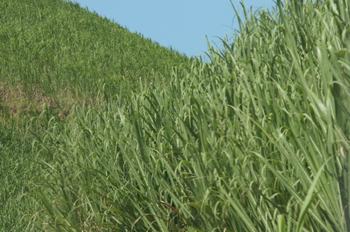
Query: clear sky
(181, 24)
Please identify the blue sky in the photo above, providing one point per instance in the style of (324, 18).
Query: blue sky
(181, 24)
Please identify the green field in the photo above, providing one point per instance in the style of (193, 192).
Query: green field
(102, 129)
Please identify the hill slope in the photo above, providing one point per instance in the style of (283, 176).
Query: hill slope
(56, 49)
(257, 140)
(54, 55)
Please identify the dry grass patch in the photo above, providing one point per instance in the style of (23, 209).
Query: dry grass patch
(20, 102)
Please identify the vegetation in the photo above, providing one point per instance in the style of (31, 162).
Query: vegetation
(56, 52)
(256, 140)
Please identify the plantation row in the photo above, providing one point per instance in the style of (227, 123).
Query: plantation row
(257, 140)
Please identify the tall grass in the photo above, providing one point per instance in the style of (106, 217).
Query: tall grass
(18, 167)
(56, 52)
(258, 140)
(53, 55)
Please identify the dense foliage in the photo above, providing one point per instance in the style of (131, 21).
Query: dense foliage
(54, 48)
(257, 140)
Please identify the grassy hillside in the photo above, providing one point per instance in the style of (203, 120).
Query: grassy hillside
(54, 55)
(59, 53)
(257, 140)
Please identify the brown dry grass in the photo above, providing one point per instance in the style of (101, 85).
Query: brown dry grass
(20, 102)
